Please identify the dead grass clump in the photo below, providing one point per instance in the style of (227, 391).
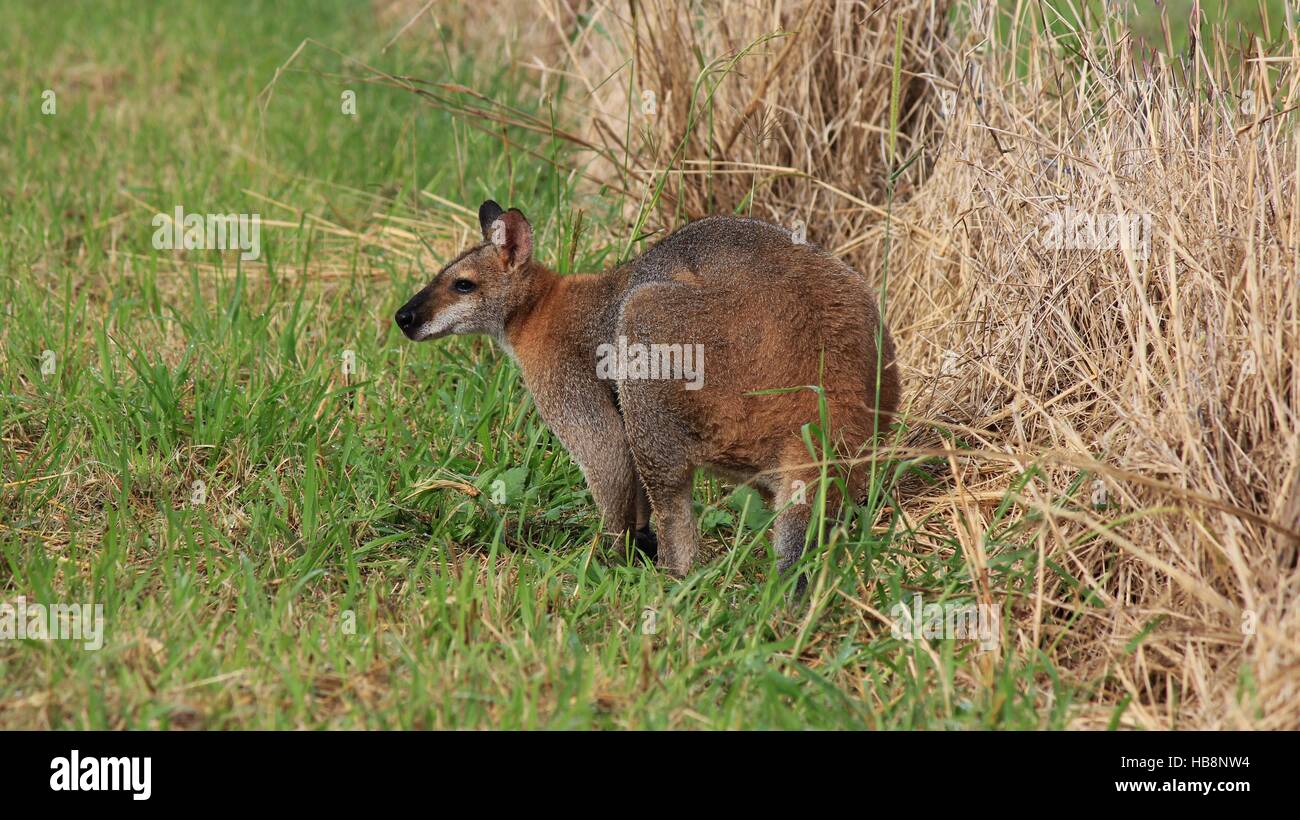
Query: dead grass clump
(1170, 360)
(784, 104)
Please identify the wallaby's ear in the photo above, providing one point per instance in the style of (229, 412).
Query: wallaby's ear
(488, 213)
(513, 237)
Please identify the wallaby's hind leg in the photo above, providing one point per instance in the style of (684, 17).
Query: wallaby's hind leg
(796, 497)
(789, 531)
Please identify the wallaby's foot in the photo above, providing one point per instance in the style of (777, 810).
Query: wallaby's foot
(647, 542)
(676, 569)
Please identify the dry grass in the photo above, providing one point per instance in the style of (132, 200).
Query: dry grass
(739, 98)
(1169, 376)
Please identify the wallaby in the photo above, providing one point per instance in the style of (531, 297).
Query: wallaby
(770, 312)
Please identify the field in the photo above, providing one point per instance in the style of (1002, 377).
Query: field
(294, 518)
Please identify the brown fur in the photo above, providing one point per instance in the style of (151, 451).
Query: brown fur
(770, 314)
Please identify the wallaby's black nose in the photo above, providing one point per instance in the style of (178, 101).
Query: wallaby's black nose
(405, 318)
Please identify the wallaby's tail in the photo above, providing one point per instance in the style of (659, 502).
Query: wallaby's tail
(889, 389)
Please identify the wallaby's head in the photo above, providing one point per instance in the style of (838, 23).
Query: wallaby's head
(477, 290)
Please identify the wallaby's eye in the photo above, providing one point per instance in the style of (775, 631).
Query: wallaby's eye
(464, 286)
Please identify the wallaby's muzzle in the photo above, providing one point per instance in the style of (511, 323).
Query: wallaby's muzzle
(411, 316)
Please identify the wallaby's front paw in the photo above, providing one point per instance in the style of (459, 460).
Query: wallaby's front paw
(674, 568)
(647, 542)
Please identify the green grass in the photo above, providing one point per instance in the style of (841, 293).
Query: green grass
(322, 582)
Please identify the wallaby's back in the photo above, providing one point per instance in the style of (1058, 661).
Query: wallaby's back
(770, 314)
